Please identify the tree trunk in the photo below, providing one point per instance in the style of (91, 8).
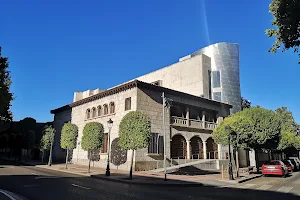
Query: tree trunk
(89, 164)
(50, 156)
(43, 156)
(130, 173)
(67, 157)
(237, 163)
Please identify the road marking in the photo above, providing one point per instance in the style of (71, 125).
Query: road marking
(34, 174)
(247, 186)
(81, 186)
(264, 187)
(284, 189)
(8, 195)
(44, 177)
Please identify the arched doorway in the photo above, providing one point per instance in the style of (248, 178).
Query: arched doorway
(211, 149)
(178, 147)
(196, 147)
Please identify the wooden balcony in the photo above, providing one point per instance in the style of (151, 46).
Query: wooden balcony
(192, 123)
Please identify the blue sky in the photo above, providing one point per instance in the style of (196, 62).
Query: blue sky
(58, 47)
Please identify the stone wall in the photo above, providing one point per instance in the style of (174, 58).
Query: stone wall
(59, 120)
(79, 118)
(189, 76)
(150, 103)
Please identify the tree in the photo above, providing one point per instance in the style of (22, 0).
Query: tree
(92, 139)
(29, 139)
(47, 141)
(287, 25)
(245, 103)
(255, 128)
(287, 120)
(289, 127)
(134, 133)
(5, 95)
(27, 129)
(68, 139)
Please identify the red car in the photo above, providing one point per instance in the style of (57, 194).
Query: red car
(274, 167)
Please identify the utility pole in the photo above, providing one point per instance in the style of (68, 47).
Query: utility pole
(164, 132)
(165, 105)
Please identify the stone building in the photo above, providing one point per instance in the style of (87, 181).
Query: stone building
(189, 123)
(201, 88)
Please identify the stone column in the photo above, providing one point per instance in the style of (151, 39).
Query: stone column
(187, 117)
(188, 150)
(220, 154)
(204, 150)
(203, 119)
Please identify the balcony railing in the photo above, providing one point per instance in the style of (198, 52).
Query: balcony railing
(192, 123)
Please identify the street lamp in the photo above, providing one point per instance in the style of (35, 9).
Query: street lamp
(109, 125)
(228, 130)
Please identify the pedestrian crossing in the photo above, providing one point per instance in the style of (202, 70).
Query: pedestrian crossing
(278, 188)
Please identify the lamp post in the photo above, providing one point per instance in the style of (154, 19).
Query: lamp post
(109, 125)
(228, 130)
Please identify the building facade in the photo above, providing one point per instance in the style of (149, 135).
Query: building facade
(200, 98)
(189, 119)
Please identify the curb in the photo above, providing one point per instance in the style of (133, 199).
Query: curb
(192, 184)
(125, 181)
(242, 180)
(248, 179)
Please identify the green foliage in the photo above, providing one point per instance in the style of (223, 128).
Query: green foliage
(69, 134)
(287, 120)
(240, 125)
(93, 134)
(134, 131)
(47, 138)
(287, 140)
(254, 127)
(5, 95)
(287, 25)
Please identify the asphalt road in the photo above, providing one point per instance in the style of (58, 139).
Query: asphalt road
(290, 184)
(40, 184)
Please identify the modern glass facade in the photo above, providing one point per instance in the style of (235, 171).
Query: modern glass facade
(225, 60)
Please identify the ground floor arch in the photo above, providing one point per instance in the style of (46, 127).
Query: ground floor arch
(196, 144)
(178, 147)
(211, 149)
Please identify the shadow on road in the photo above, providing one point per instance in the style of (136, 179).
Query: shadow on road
(58, 185)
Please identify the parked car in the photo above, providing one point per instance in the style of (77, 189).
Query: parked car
(289, 165)
(296, 165)
(296, 160)
(274, 167)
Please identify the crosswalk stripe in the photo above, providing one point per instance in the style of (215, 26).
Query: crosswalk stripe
(247, 186)
(264, 187)
(284, 189)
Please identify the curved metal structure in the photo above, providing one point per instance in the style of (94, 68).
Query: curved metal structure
(225, 66)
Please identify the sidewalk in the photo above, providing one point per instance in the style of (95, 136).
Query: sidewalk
(146, 178)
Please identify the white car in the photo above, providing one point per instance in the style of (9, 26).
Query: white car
(297, 161)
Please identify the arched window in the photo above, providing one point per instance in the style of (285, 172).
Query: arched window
(105, 109)
(99, 110)
(93, 112)
(112, 107)
(128, 103)
(88, 113)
